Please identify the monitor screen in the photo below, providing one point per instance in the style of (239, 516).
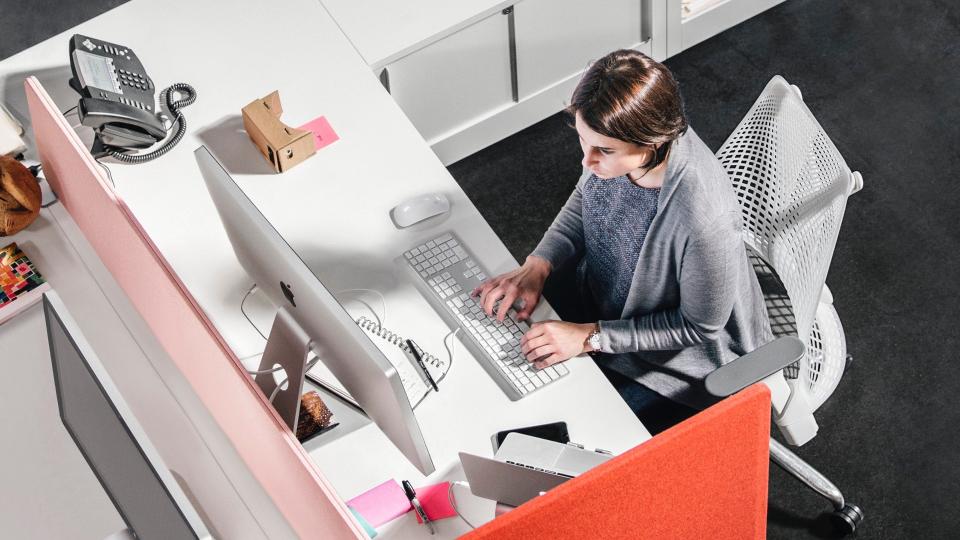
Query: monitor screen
(290, 284)
(90, 410)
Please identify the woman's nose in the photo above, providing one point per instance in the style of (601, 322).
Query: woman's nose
(589, 158)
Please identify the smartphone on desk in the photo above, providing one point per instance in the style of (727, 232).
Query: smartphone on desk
(554, 431)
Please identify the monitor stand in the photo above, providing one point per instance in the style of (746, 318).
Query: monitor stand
(287, 347)
(260, 311)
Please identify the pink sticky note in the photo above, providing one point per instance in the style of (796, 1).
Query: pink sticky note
(323, 133)
(382, 503)
(435, 501)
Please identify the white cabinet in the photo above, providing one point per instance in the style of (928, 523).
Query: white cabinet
(469, 73)
(691, 21)
(513, 66)
(557, 39)
(455, 81)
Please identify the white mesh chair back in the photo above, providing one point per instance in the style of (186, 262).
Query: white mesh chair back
(792, 185)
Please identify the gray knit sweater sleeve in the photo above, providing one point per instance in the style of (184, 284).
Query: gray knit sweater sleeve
(564, 239)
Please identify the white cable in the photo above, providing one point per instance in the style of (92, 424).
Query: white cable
(263, 371)
(454, 504)
(383, 303)
(449, 348)
(244, 312)
(109, 174)
(276, 390)
(372, 312)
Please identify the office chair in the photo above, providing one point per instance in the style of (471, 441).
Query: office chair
(792, 185)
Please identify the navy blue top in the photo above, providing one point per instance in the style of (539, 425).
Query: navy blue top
(616, 217)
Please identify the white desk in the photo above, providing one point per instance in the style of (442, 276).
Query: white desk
(333, 210)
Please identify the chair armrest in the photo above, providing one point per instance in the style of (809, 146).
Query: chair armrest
(755, 366)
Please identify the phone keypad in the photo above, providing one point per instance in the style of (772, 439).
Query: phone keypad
(133, 80)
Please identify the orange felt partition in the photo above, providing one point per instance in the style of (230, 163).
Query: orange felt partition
(703, 478)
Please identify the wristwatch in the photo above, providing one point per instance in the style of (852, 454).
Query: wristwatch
(594, 339)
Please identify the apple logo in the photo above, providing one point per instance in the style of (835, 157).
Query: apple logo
(287, 293)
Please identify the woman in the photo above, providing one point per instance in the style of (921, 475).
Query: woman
(653, 227)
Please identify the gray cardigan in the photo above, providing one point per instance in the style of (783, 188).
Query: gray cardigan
(695, 303)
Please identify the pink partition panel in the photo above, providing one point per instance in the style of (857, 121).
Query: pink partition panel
(270, 450)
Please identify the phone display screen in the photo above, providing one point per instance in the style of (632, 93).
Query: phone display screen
(555, 431)
(96, 71)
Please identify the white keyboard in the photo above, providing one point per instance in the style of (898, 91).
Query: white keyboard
(446, 274)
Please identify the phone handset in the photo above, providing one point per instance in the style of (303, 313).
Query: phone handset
(120, 126)
(118, 101)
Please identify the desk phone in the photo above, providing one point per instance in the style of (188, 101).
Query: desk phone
(118, 99)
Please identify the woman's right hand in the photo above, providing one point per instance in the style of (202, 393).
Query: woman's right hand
(525, 283)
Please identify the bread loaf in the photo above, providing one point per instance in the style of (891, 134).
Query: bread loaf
(19, 196)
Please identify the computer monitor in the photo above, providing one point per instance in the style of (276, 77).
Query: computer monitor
(347, 352)
(108, 435)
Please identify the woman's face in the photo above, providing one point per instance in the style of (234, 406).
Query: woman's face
(607, 157)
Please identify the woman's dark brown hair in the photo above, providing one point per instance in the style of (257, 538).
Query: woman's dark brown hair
(628, 96)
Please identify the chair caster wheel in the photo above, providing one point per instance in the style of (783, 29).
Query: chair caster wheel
(847, 518)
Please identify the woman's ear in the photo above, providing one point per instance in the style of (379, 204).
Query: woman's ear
(649, 156)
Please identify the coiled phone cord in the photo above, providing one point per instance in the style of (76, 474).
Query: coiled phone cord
(187, 96)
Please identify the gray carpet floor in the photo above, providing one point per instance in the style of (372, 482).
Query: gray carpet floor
(882, 78)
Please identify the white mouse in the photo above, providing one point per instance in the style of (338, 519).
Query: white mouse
(419, 208)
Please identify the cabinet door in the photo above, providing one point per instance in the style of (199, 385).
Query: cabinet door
(557, 39)
(456, 81)
(692, 21)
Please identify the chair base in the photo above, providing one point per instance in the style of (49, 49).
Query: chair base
(846, 516)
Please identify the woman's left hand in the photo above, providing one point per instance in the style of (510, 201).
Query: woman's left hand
(550, 342)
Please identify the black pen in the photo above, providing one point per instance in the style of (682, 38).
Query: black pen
(412, 496)
(419, 359)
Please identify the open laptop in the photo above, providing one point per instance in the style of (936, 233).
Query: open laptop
(525, 467)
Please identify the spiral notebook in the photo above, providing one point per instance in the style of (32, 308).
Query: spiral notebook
(394, 347)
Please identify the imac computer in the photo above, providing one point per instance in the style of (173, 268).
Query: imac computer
(108, 435)
(310, 318)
